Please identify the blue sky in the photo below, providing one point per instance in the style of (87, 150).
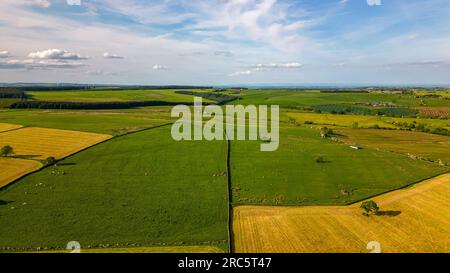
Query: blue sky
(225, 41)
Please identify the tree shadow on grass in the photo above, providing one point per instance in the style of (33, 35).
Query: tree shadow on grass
(389, 213)
(2, 203)
(67, 164)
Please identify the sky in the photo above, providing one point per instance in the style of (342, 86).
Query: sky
(220, 42)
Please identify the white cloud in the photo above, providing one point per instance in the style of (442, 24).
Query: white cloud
(293, 65)
(224, 53)
(38, 64)
(107, 55)
(56, 54)
(73, 2)
(374, 2)
(41, 3)
(241, 73)
(4, 54)
(159, 67)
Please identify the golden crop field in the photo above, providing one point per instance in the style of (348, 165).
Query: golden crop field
(40, 143)
(415, 219)
(6, 127)
(12, 169)
(429, 146)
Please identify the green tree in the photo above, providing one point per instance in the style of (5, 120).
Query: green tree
(369, 208)
(6, 151)
(50, 160)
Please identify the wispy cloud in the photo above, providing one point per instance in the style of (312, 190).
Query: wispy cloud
(56, 54)
(108, 55)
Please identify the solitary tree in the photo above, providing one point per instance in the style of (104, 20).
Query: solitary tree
(6, 151)
(50, 160)
(369, 207)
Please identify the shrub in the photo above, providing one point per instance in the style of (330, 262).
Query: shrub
(6, 151)
(369, 208)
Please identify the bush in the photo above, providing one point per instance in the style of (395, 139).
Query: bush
(369, 208)
(320, 159)
(50, 160)
(6, 151)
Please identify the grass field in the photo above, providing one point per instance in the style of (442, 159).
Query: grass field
(292, 176)
(7, 127)
(41, 143)
(418, 144)
(414, 220)
(363, 121)
(300, 98)
(112, 122)
(112, 96)
(12, 169)
(142, 188)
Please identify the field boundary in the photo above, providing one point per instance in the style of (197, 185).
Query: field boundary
(230, 199)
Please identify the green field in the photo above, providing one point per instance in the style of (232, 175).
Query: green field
(111, 96)
(292, 176)
(300, 98)
(114, 122)
(143, 188)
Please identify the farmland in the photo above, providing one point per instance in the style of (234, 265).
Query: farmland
(111, 96)
(426, 146)
(11, 169)
(291, 175)
(41, 143)
(7, 127)
(411, 220)
(158, 195)
(137, 183)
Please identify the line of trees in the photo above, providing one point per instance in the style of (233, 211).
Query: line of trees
(220, 98)
(12, 94)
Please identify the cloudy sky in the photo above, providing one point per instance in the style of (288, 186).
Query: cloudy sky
(225, 41)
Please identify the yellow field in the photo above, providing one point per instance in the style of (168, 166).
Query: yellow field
(416, 219)
(12, 169)
(6, 127)
(166, 249)
(40, 143)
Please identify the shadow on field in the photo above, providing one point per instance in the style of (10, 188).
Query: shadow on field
(389, 213)
(67, 164)
(2, 203)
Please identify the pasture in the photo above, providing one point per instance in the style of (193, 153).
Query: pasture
(11, 169)
(154, 249)
(291, 175)
(111, 122)
(111, 96)
(426, 146)
(41, 143)
(305, 98)
(412, 220)
(142, 189)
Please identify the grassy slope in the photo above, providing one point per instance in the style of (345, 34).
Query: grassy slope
(301, 98)
(142, 188)
(112, 96)
(292, 176)
(107, 121)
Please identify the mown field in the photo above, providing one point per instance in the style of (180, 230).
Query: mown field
(413, 220)
(12, 168)
(7, 127)
(111, 96)
(142, 189)
(41, 143)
